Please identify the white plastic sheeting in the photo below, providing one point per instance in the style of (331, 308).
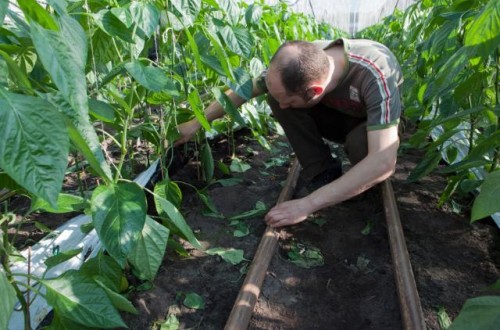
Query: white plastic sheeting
(350, 16)
(67, 237)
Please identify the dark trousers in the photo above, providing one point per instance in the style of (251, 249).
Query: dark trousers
(306, 128)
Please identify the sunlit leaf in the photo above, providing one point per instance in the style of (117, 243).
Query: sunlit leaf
(197, 107)
(118, 214)
(78, 298)
(110, 24)
(146, 17)
(228, 106)
(148, 253)
(484, 33)
(183, 13)
(238, 40)
(61, 257)
(170, 191)
(242, 85)
(153, 78)
(65, 203)
(35, 144)
(35, 12)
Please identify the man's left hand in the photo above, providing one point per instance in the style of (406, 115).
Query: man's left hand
(288, 213)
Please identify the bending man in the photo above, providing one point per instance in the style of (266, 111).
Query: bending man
(346, 91)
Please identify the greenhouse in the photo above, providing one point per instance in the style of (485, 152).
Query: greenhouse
(250, 164)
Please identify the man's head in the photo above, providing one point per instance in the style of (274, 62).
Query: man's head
(297, 74)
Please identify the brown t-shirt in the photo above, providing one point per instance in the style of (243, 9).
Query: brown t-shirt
(369, 87)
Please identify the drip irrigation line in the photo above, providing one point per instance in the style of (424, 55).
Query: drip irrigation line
(250, 290)
(409, 301)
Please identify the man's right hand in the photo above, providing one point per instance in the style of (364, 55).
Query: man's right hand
(187, 131)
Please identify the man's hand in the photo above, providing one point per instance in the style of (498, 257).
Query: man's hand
(187, 131)
(288, 213)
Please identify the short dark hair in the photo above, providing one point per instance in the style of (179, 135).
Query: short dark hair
(298, 71)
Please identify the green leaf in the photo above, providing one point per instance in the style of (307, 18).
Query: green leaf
(221, 54)
(305, 255)
(239, 166)
(176, 221)
(64, 56)
(104, 266)
(488, 200)
(425, 166)
(34, 148)
(197, 106)
(118, 214)
(112, 26)
(253, 14)
(194, 300)
(208, 161)
(443, 318)
(80, 299)
(61, 257)
(170, 191)
(19, 76)
(229, 182)
(151, 77)
(171, 323)
(148, 253)
(242, 228)
(146, 16)
(260, 209)
(238, 40)
(232, 256)
(65, 203)
(202, 194)
(478, 313)
(8, 300)
(35, 12)
(183, 13)
(118, 301)
(102, 111)
(483, 36)
(228, 106)
(231, 9)
(243, 83)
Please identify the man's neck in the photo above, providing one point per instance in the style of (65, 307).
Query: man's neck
(337, 65)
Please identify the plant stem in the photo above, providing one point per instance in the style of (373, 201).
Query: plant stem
(496, 158)
(10, 277)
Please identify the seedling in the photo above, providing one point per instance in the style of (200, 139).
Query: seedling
(305, 255)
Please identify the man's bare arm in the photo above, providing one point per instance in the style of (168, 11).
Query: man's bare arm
(212, 112)
(377, 166)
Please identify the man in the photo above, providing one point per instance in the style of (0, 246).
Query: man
(346, 91)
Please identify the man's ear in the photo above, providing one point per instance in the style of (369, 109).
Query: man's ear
(315, 90)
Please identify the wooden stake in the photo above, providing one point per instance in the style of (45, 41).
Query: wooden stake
(250, 290)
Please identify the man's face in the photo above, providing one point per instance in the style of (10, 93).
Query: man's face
(285, 99)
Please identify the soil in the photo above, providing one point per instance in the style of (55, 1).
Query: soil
(452, 259)
(354, 288)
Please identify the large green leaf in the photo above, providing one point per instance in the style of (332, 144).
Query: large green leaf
(488, 200)
(119, 301)
(253, 14)
(207, 162)
(238, 40)
(169, 190)
(82, 134)
(80, 299)
(64, 55)
(183, 13)
(231, 9)
(149, 251)
(145, 16)
(111, 25)
(478, 313)
(34, 148)
(176, 221)
(8, 300)
(153, 78)
(221, 53)
(118, 214)
(483, 36)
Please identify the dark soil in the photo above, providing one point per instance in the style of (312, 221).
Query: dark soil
(452, 259)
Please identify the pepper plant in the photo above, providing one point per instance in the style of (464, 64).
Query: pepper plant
(95, 77)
